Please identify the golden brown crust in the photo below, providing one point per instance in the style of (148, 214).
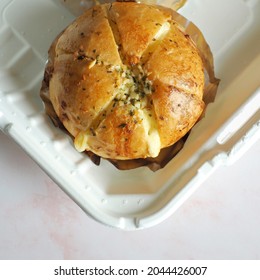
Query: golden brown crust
(119, 136)
(176, 62)
(137, 26)
(176, 112)
(127, 81)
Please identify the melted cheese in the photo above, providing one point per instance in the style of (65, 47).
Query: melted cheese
(81, 141)
(151, 131)
(162, 31)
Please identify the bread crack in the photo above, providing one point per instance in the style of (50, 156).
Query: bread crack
(113, 25)
(158, 37)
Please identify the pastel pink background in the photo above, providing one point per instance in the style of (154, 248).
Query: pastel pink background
(38, 221)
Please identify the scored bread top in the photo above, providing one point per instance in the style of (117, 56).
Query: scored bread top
(126, 80)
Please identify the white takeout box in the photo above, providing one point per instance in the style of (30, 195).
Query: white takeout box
(137, 198)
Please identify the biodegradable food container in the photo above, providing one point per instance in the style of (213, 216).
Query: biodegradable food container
(137, 198)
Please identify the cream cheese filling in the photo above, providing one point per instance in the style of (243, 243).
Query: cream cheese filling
(151, 131)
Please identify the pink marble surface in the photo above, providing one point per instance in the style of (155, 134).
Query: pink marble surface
(38, 221)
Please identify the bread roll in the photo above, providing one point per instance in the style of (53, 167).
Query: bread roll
(126, 80)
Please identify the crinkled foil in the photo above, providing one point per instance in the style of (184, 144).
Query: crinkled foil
(77, 7)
